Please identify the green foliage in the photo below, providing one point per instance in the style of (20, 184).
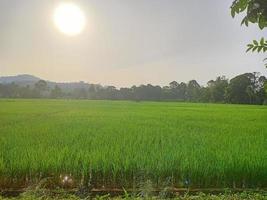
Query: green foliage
(242, 89)
(260, 46)
(115, 144)
(41, 85)
(265, 88)
(256, 11)
(215, 91)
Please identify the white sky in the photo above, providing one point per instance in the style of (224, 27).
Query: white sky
(128, 42)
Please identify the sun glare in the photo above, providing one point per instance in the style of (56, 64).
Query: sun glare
(69, 19)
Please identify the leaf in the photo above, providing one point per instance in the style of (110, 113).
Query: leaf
(254, 48)
(262, 21)
(233, 12)
(243, 5)
(260, 48)
(262, 42)
(245, 21)
(249, 49)
(253, 16)
(255, 42)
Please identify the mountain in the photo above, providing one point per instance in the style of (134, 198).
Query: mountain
(30, 80)
(24, 79)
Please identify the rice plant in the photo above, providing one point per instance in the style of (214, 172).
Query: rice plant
(109, 144)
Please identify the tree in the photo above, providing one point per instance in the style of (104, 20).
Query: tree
(80, 93)
(256, 90)
(9, 91)
(246, 88)
(40, 88)
(41, 85)
(56, 92)
(217, 89)
(204, 95)
(147, 92)
(173, 86)
(182, 91)
(111, 92)
(126, 93)
(263, 89)
(193, 91)
(237, 90)
(256, 12)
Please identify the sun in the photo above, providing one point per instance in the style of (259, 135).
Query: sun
(69, 19)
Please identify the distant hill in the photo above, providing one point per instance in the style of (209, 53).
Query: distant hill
(26, 79)
(23, 79)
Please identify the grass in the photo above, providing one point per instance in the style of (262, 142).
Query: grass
(115, 144)
(195, 197)
(34, 195)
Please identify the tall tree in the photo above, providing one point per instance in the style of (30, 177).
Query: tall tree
(182, 95)
(246, 88)
(237, 90)
(217, 89)
(40, 88)
(193, 91)
(56, 92)
(174, 89)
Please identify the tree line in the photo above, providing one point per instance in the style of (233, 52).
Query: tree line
(248, 88)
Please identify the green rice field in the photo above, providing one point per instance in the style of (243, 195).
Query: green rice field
(122, 144)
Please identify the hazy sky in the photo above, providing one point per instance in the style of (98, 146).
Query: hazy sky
(127, 42)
